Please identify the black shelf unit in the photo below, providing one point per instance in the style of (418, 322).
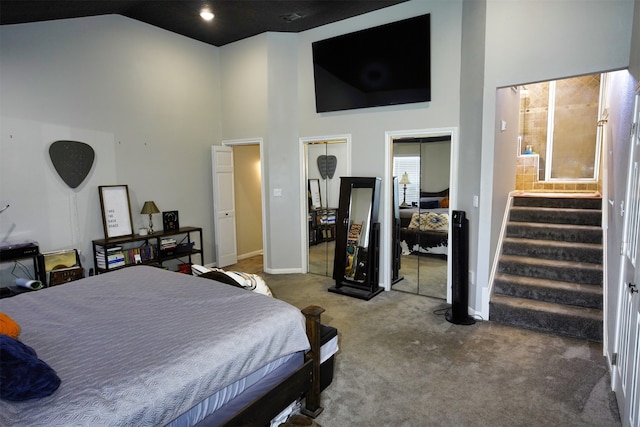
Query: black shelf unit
(154, 240)
(320, 229)
(32, 252)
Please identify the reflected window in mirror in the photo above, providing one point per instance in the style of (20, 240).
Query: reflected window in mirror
(410, 165)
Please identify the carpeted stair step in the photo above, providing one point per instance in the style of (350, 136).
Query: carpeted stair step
(587, 202)
(559, 250)
(556, 215)
(565, 271)
(559, 232)
(548, 290)
(577, 322)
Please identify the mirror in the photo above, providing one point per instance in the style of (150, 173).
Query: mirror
(315, 199)
(325, 162)
(423, 213)
(358, 233)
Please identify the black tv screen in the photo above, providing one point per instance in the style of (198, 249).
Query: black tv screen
(385, 65)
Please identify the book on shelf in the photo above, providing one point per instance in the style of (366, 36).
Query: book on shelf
(112, 263)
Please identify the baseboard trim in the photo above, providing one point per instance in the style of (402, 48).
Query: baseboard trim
(283, 270)
(250, 254)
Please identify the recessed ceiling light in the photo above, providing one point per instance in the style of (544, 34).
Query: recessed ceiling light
(294, 16)
(206, 14)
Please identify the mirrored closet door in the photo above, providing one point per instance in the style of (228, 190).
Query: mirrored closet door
(326, 162)
(422, 169)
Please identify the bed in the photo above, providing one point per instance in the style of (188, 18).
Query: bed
(424, 229)
(148, 347)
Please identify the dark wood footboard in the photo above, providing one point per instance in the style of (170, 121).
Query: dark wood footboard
(303, 382)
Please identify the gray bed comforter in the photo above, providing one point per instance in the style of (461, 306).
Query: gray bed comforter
(139, 346)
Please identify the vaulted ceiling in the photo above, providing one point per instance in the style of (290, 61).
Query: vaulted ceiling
(234, 19)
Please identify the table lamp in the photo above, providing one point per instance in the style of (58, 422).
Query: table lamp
(150, 208)
(404, 181)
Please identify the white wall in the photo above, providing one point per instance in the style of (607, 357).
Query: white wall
(329, 187)
(634, 60)
(145, 99)
(368, 126)
(284, 169)
(471, 93)
(435, 162)
(244, 88)
(435, 165)
(616, 132)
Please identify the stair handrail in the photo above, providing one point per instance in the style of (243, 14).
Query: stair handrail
(503, 232)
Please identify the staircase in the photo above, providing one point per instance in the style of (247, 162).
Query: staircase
(549, 275)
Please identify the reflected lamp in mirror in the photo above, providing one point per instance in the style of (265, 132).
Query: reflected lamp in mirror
(404, 181)
(150, 208)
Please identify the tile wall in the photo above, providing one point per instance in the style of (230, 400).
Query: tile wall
(579, 116)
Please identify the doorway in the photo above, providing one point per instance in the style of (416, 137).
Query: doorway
(558, 138)
(248, 198)
(387, 262)
(324, 160)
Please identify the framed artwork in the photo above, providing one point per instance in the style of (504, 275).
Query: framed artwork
(315, 200)
(116, 210)
(170, 220)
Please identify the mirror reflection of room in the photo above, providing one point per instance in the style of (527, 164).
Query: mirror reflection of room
(358, 233)
(422, 168)
(325, 163)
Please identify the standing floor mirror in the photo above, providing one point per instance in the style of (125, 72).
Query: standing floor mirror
(357, 247)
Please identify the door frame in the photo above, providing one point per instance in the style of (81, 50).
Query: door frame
(386, 230)
(304, 164)
(263, 190)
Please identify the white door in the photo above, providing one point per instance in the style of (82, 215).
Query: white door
(224, 213)
(627, 371)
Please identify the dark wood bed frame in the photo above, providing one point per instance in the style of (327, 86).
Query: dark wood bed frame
(303, 382)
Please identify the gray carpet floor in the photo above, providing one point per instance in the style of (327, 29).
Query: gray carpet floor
(402, 364)
(424, 275)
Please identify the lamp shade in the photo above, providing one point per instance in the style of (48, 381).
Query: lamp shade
(149, 207)
(405, 179)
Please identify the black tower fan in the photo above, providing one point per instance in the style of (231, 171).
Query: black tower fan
(459, 313)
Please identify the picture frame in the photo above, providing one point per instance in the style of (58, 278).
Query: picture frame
(315, 198)
(116, 210)
(170, 220)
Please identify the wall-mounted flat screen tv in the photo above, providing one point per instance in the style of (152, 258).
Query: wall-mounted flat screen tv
(385, 65)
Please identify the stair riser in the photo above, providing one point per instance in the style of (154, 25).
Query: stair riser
(585, 217)
(562, 235)
(589, 255)
(576, 327)
(558, 203)
(556, 296)
(592, 276)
